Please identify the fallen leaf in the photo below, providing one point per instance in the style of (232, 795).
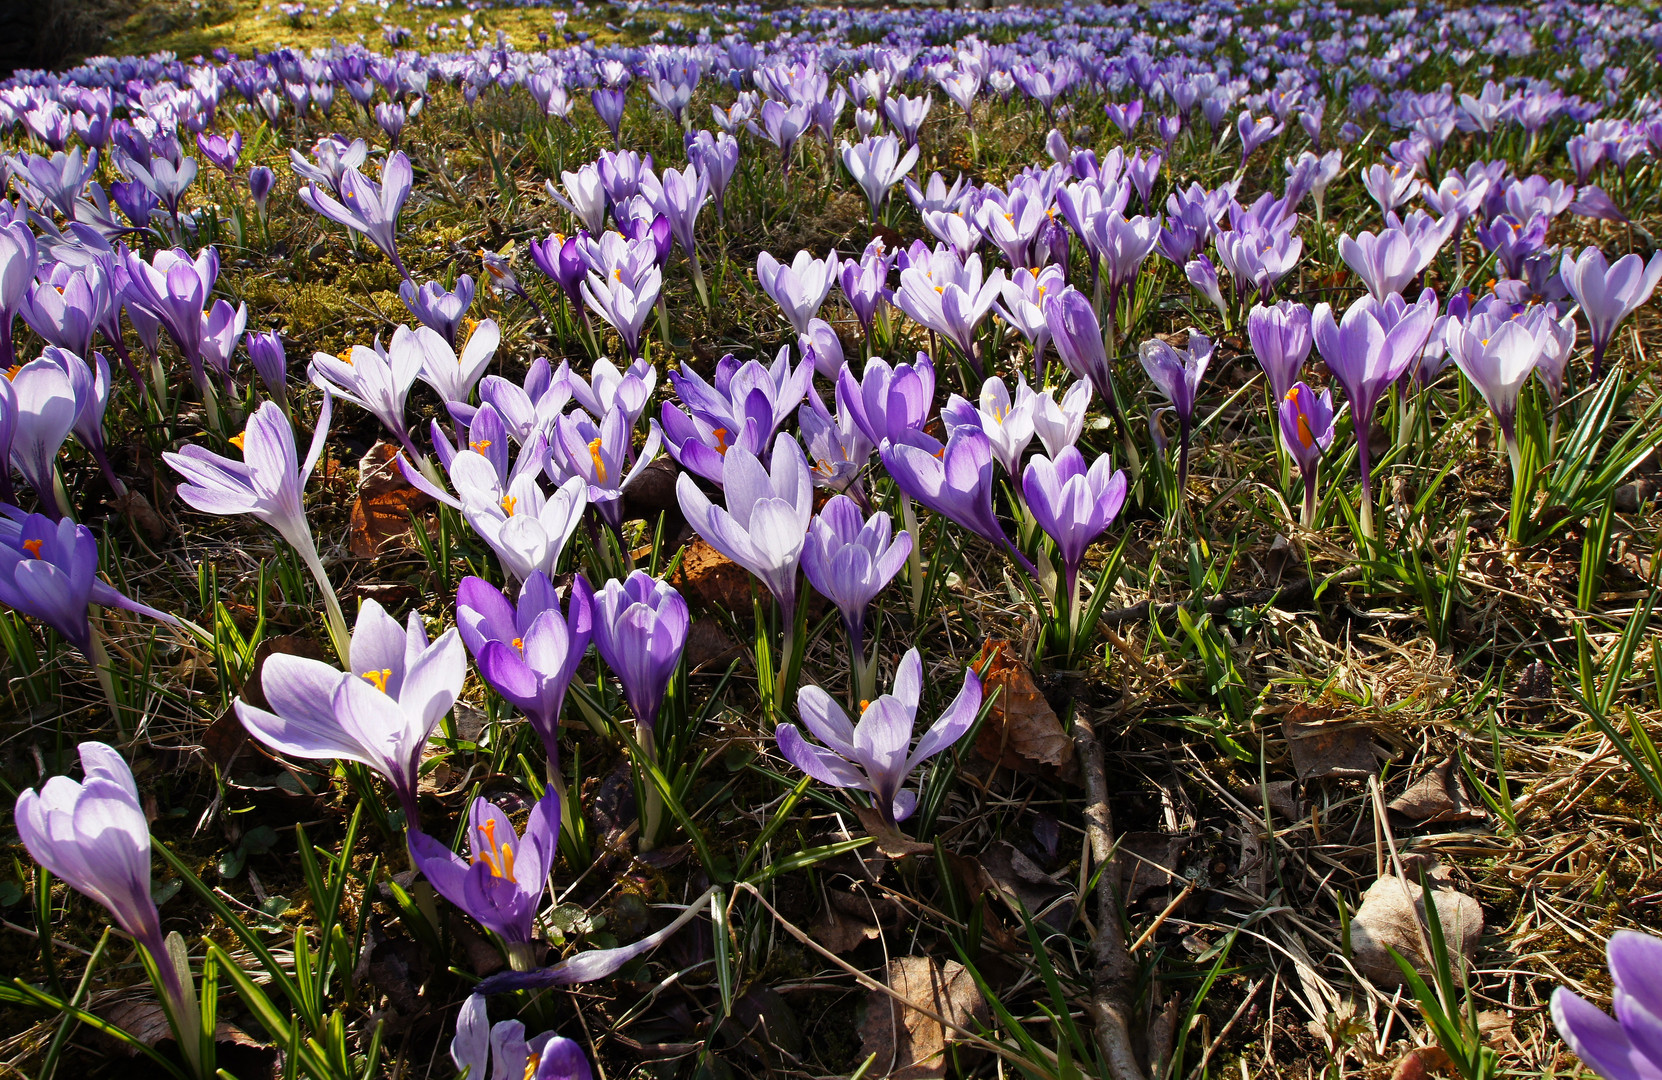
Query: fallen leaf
(1137, 851)
(1324, 746)
(890, 840)
(1021, 731)
(1421, 1062)
(381, 512)
(842, 933)
(908, 1044)
(1391, 916)
(1282, 795)
(1436, 796)
(137, 509)
(652, 492)
(715, 579)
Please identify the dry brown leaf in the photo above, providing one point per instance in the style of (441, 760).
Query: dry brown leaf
(890, 840)
(1392, 916)
(1421, 1062)
(1149, 862)
(381, 512)
(1323, 746)
(1021, 731)
(1282, 795)
(908, 1044)
(842, 933)
(714, 579)
(1436, 796)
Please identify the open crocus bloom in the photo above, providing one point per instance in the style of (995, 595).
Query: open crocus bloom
(877, 755)
(501, 884)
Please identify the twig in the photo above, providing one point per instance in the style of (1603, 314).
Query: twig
(1109, 1006)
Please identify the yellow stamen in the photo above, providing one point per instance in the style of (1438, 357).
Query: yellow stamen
(531, 1063)
(32, 547)
(519, 644)
(378, 679)
(238, 439)
(345, 356)
(1304, 435)
(479, 446)
(499, 857)
(599, 465)
(508, 504)
(11, 372)
(864, 704)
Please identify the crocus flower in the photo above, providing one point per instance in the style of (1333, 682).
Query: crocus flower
(1497, 355)
(1073, 505)
(49, 570)
(1007, 423)
(90, 384)
(172, 289)
(800, 287)
(1280, 336)
(437, 308)
(1624, 1047)
(501, 884)
(528, 651)
(679, 196)
(478, 1043)
(265, 351)
(1385, 262)
(451, 375)
(268, 483)
(609, 104)
(376, 380)
(888, 401)
(260, 182)
(1255, 133)
(367, 207)
(907, 114)
(1368, 351)
(94, 835)
(603, 456)
(1390, 185)
(765, 523)
(1078, 337)
(877, 165)
(19, 257)
(865, 285)
(585, 196)
(1608, 292)
(44, 413)
(608, 388)
(1178, 374)
(527, 528)
(1025, 293)
(63, 309)
(640, 628)
(624, 303)
(222, 327)
(379, 713)
(950, 297)
(221, 151)
(1306, 420)
(55, 181)
(560, 258)
(849, 559)
(954, 480)
(877, 755)
(1059, 425)
(781, 125)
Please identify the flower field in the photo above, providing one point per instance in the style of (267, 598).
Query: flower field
(717, 540)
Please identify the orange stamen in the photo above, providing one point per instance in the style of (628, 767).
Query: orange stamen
(508, 504)
(32, 547)
(378, 679)
(599, 465)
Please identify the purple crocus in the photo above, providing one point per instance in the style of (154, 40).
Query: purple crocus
(603, 456)
(1608, 292)
(260, 182)
(849, 559)
(1078, 338)
(173, 289)
(799, 287)
(95, 836)
(1178, 374)
(265, 351)
(640, 629)
(560, 258)
(367, 207)
(44, 410)
(437, 308)
(1280, 337)
(1306, 421)
(64, 308)
(1497, 354)
(378, 713)
(888, 401)
(221, 151)
(501, 884)
(19, 257)
(625, 301)
(951, 297)
(49, 570)
(608, 104)
(715, 156)
(1368, 351)
(376, 380)
(1624, 1047)
(1074, 505)
(528, 651)
(954, 480)
(877, 755)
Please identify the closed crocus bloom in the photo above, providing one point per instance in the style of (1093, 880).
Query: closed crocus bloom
(849, 559)
(1059, 425)
(260, 182)
(765, 523)
(624, 303)
(49, 571)
(45, 413)
(640, 629)
(1497, 356)
(1608, 292)
(438, 309)
(1385, 262)
(1073, 504)
(800, 287)
(380, 713)
(18, 259)
(821, 349)
(1556, 338)
(1306, 420)
(173, 289)
(877, 164)
(877, 755)
(528, 651)
(1624, 1047)
(500, 885)
(888, 401)
(1281, 339)
(1178, 374)
(265, 351)
(1367, 351)
(584, 196)
(1026, 294)
(376, 380)
(94, 835)
(62, 309)
(1390, 185)
(1078, 337)
(954, 480)
(608, 387)
(367, 207)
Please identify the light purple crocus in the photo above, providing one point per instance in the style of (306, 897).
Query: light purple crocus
(265, 351)
(1497, 355)
(43, 414)
(19, 257)
(877, 164)
(1608, 292)
(1078, 337)
(625, 301)
(603, 456)
(49, 571)
(640, 629)
(376, 380)
(1624, 1047)
(63, 309)
(954, 480)
(951, 297)
(800, 287)
(367, 207)
(877, 755)
(173, 289)
(765, 523)
(528, 651)
(715, 156)
(95, 836)
(1178, 374)
(887, 401)
(1368, 351)
(452, 375)
(1306, 422)
(438, 308)
(1074, 505)
(378, 713)
(500, 885)
(1281, 340)
(849, 559)
(260, 182)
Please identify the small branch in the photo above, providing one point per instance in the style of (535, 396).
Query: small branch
(1109, 1005)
